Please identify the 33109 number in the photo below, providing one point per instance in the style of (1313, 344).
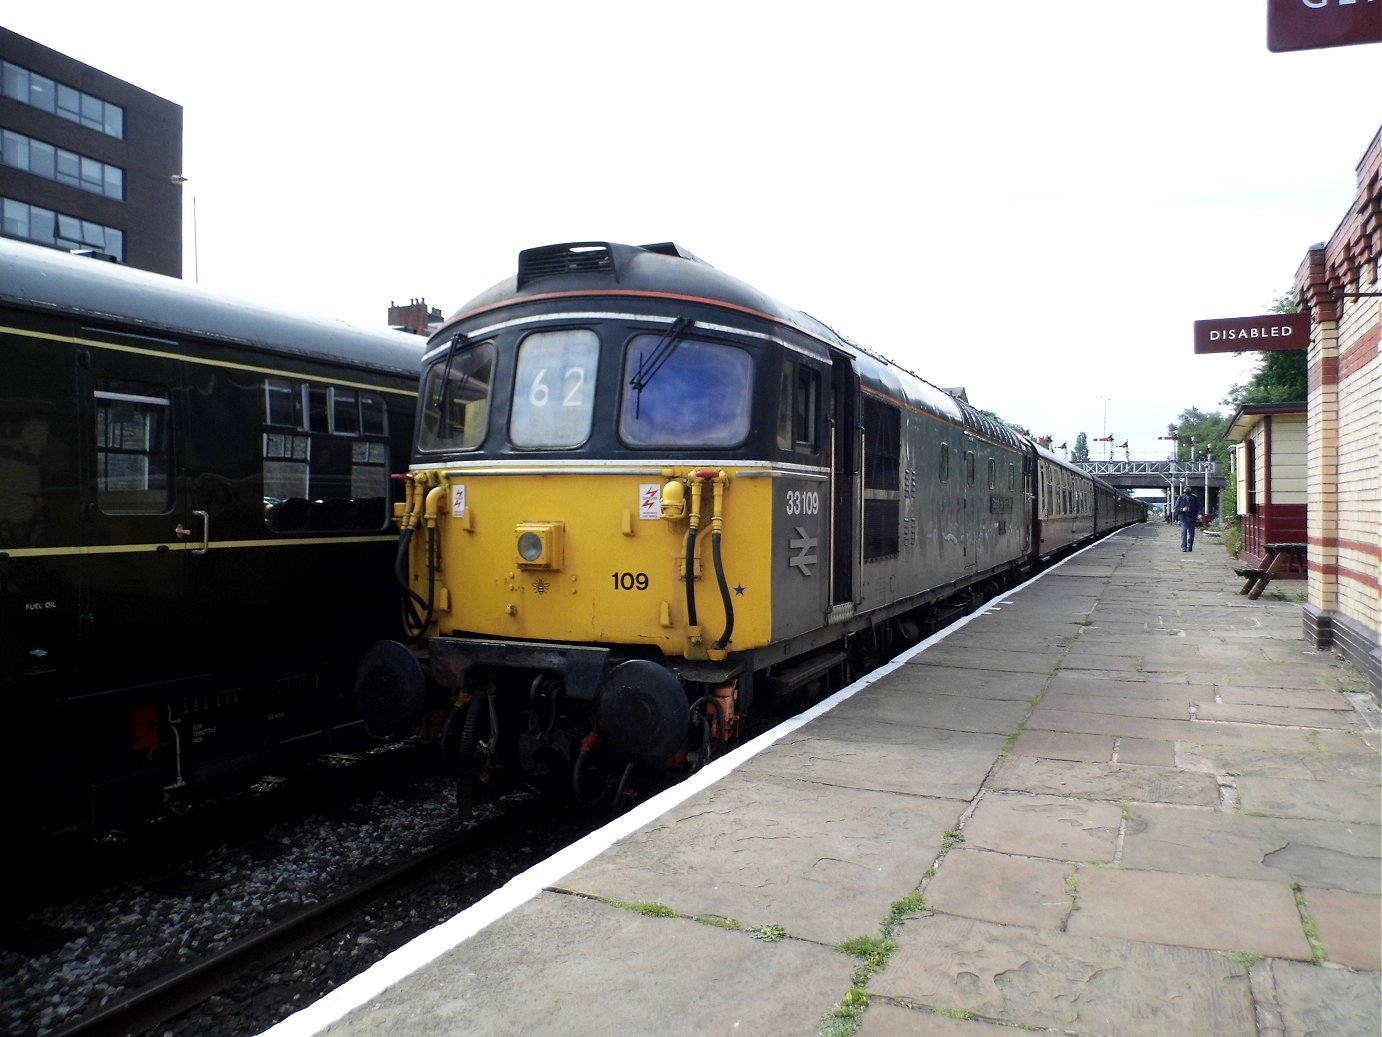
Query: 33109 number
(803, 502)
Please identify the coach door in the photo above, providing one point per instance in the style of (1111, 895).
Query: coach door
(844, 475)
(136, 529)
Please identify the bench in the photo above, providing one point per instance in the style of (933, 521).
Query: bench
(1274, 564)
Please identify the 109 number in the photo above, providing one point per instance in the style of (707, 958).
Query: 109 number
(630, 581)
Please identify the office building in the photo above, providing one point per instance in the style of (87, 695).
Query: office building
(89, 162)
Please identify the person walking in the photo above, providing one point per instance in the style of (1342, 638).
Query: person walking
(1188, 514)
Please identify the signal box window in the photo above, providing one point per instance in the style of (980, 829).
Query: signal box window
(799, 408)
(554, 389)
(455, 397)
(681, 392)
(134, 448)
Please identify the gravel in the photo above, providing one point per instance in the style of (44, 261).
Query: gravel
(102, 944)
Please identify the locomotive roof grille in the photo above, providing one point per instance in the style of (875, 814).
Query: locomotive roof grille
(577, 257)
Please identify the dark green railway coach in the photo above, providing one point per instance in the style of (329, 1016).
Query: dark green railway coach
(196, 534)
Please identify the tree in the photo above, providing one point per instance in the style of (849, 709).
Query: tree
(1081, 451)
(1282, 375)
(1206, 429)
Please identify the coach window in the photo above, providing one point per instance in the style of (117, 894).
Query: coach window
(969, 467)
(134, 447)
(554, 389)
(993, 473)
(455, 397)
(944, 465)
(325, 457)
(798, 408)
(682, 392)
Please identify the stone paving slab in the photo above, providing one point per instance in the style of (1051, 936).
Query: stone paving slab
(1323, 853)
(909, 705)
(1297, 698)
(1190, 911)
(1129, 685)
(1069, 984)
(887, 1020)
(824, 862)
(1204, 731)
(941, 679)
(997, 887)
(1305, 764)
(1343, 718)
(1147, 752)
(965, 655)
(1349, 924)
(887, 763)
(1330, 801)
(1159, 708)
(1045, 826)
(1316, 1002)
(568, 967)
(1107, 781)
(1060, 745)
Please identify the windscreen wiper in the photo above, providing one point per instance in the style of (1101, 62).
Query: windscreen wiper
(662, 352)
(442, 399)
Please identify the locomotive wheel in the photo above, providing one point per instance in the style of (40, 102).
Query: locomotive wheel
(642, 711)
(390, 690)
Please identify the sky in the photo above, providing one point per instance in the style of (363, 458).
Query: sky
(1031, 199)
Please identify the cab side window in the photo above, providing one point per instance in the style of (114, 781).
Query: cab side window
(798, 413)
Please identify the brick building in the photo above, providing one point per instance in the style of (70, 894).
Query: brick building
(1340, 282)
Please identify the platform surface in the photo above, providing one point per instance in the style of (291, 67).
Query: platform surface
(1120, 800)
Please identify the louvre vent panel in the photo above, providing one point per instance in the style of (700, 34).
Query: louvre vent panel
(591, 258)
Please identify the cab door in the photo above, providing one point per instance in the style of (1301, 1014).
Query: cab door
(136, 528)
(846, 443)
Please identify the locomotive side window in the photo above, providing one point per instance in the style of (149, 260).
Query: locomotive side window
(882, 478)
(455, 398)
(134, 448)
(799, 408)
(325, 457)
(554, 389)
(681, 392)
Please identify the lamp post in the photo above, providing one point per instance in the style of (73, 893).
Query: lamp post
(179, 179)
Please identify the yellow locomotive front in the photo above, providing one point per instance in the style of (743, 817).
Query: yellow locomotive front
(589, 545)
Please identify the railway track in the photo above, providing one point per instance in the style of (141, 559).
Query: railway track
(163, 998)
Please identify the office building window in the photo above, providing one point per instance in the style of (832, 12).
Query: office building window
(61, 100)
(33, 223)
(66, 167)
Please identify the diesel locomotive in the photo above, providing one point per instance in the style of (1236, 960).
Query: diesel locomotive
(196, 534)
(644, 495)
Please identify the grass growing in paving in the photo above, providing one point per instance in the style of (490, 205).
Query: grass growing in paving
(873, 953)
